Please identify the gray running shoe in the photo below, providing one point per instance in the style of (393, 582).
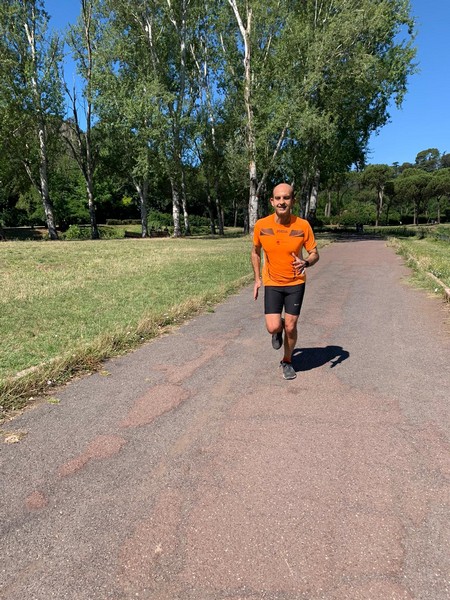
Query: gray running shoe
(288, 370)
(277, 340)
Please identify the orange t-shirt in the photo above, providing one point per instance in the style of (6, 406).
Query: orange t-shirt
(278, 242)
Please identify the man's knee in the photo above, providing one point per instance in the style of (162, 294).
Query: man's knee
(290, 326)
(274, 328)
(274, 325)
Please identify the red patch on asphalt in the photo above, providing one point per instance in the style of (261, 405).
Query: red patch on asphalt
(214, 348)
(36, 501)
(104, 446)
(157, 401)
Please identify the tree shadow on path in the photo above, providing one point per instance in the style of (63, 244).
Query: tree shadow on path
(305, 359)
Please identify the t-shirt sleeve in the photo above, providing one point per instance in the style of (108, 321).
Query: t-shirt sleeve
(256, 238)
(310, 240)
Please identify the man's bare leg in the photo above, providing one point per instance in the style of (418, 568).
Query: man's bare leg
(275, 325)
(290, 337)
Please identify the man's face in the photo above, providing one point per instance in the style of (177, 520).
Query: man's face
(282, 200)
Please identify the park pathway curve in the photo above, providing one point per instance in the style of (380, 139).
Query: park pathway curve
(190, 470)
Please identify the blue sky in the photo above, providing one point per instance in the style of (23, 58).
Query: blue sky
(424, 119)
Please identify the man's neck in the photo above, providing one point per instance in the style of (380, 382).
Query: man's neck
(284, 220)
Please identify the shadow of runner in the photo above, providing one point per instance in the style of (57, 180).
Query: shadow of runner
(305, 359)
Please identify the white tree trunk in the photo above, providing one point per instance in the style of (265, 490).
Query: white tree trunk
(41, 132)
(95, 235)
(87, 9)
(187, 228)
(253, 198)
(175, 207)
(245, 32)
(328, 205)
(380, 193)
(312, 204)
(43, 175)
(142, 190)
(219, 208)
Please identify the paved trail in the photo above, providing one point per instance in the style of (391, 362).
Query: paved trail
(194, 472)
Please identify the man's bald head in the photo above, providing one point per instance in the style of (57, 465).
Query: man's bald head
(283, 189)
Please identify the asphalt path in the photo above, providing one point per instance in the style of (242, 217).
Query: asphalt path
(190, 470)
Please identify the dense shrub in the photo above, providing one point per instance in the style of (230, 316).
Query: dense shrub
(111, 233)
(159, 220)
(357, 212)
(123, 222)
(198, 221)
(76, 232)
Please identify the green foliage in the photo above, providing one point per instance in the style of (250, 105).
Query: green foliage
(83, 232)
(357, 212)
(172, 109)
(346, 87)
(376, 176)
(412, 186)
(75, 232)
(31, 103)
(159, 220)
(111, 233)
(122, 222)
(29, 208)
(439, 185)
(428, 160)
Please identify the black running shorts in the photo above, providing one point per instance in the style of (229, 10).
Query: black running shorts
(289, 297)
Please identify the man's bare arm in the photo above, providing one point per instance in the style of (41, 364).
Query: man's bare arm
(256, 262)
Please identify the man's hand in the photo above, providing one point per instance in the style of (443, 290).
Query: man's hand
(299, 264)
(256, 289)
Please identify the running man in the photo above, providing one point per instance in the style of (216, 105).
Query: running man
(282, 236)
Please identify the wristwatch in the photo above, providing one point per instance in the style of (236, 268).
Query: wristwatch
(306, 263)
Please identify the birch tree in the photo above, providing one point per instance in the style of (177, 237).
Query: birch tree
(128, 96)
(204, 48)
(159, 32)
(264, 90)
(31, 91)
(82, 40)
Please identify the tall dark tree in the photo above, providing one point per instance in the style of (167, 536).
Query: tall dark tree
(376, 177)
(412, 186)
(439, 188)
(428, 160)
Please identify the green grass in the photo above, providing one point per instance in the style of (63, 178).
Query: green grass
(427, 255)
(65, 306)
(404, 231)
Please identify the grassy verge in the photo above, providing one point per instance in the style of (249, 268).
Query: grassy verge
(66, 306)
(426, 255)
(439, 232)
